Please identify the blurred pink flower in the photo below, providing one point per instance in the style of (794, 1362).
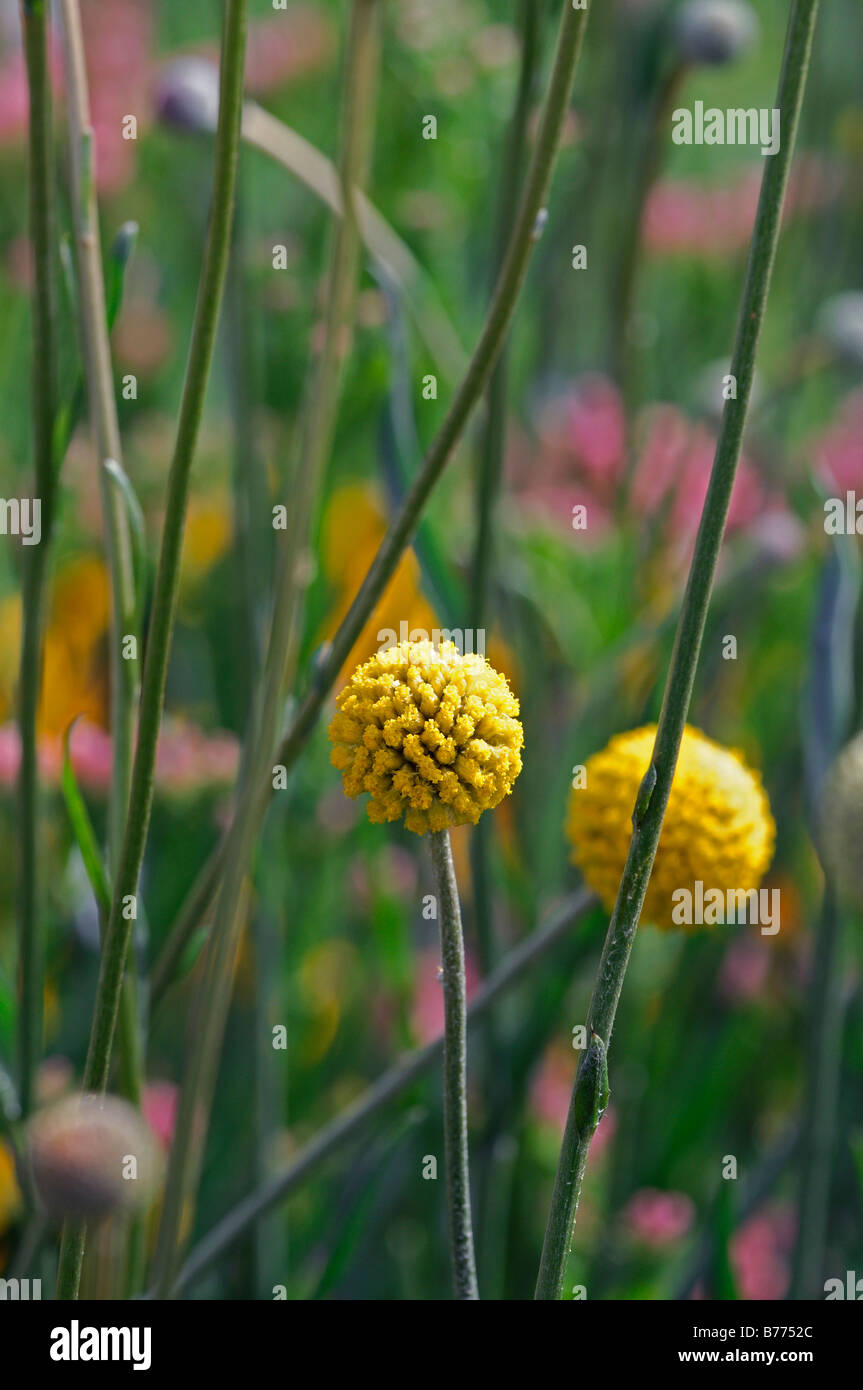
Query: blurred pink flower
(760, 1253)
(118, 43)
(581, 438)
(684, 217)
(159, 1104)
(580, 433)
(187, 759)
(658, 1219)
(839, 451)
(427, 1012)
(676, 458)
(596, 428)
(744, 970)
(278, 50)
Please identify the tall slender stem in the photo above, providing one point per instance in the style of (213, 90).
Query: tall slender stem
(481, 614)
(34, 21)
(475, 381)
(262, 736)
(106, 438)
(590, 1090)
(454, 1069)
(394, 1082)
(116, 945)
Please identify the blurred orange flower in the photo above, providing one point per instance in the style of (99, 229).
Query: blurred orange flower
(353, 528)
(74, 672)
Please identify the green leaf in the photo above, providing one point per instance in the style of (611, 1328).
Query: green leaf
(122, 249)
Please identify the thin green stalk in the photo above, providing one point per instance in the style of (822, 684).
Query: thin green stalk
(454, 1069)
(214, 998)
(394, 1082)
(116, 946)
(590, 1090)
(474, 383)
(481, 616)
(824, 1062)
(103, 416)
(34, 22)
(106, 437)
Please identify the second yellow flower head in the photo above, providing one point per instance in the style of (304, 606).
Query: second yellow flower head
(432, 735)
(718, 828)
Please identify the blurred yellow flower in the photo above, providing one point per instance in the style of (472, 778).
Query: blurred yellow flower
(431, 735)
(207, 536)
(74, 671)
(353, 528)
(717, 830)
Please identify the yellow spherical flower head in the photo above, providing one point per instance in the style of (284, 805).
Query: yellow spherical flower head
(433, 736)
(718, 828)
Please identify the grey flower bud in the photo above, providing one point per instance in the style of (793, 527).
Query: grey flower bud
(188, 95)
(90, 1156)
(714, 31)
(840, 323)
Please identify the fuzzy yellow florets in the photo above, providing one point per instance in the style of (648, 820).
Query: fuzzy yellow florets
(431, 735)
(718, 828)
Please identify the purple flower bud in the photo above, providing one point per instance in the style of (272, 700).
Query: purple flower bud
(714, 31)
(188, 95)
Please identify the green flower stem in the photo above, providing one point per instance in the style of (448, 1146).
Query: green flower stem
(34, 21)
(473, 385)
(481, 614)
(116, 945)
(454, 1069)
(824, 1059)
(394, 1082)
(106, 434)
(587, 1096)
(214, 998)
